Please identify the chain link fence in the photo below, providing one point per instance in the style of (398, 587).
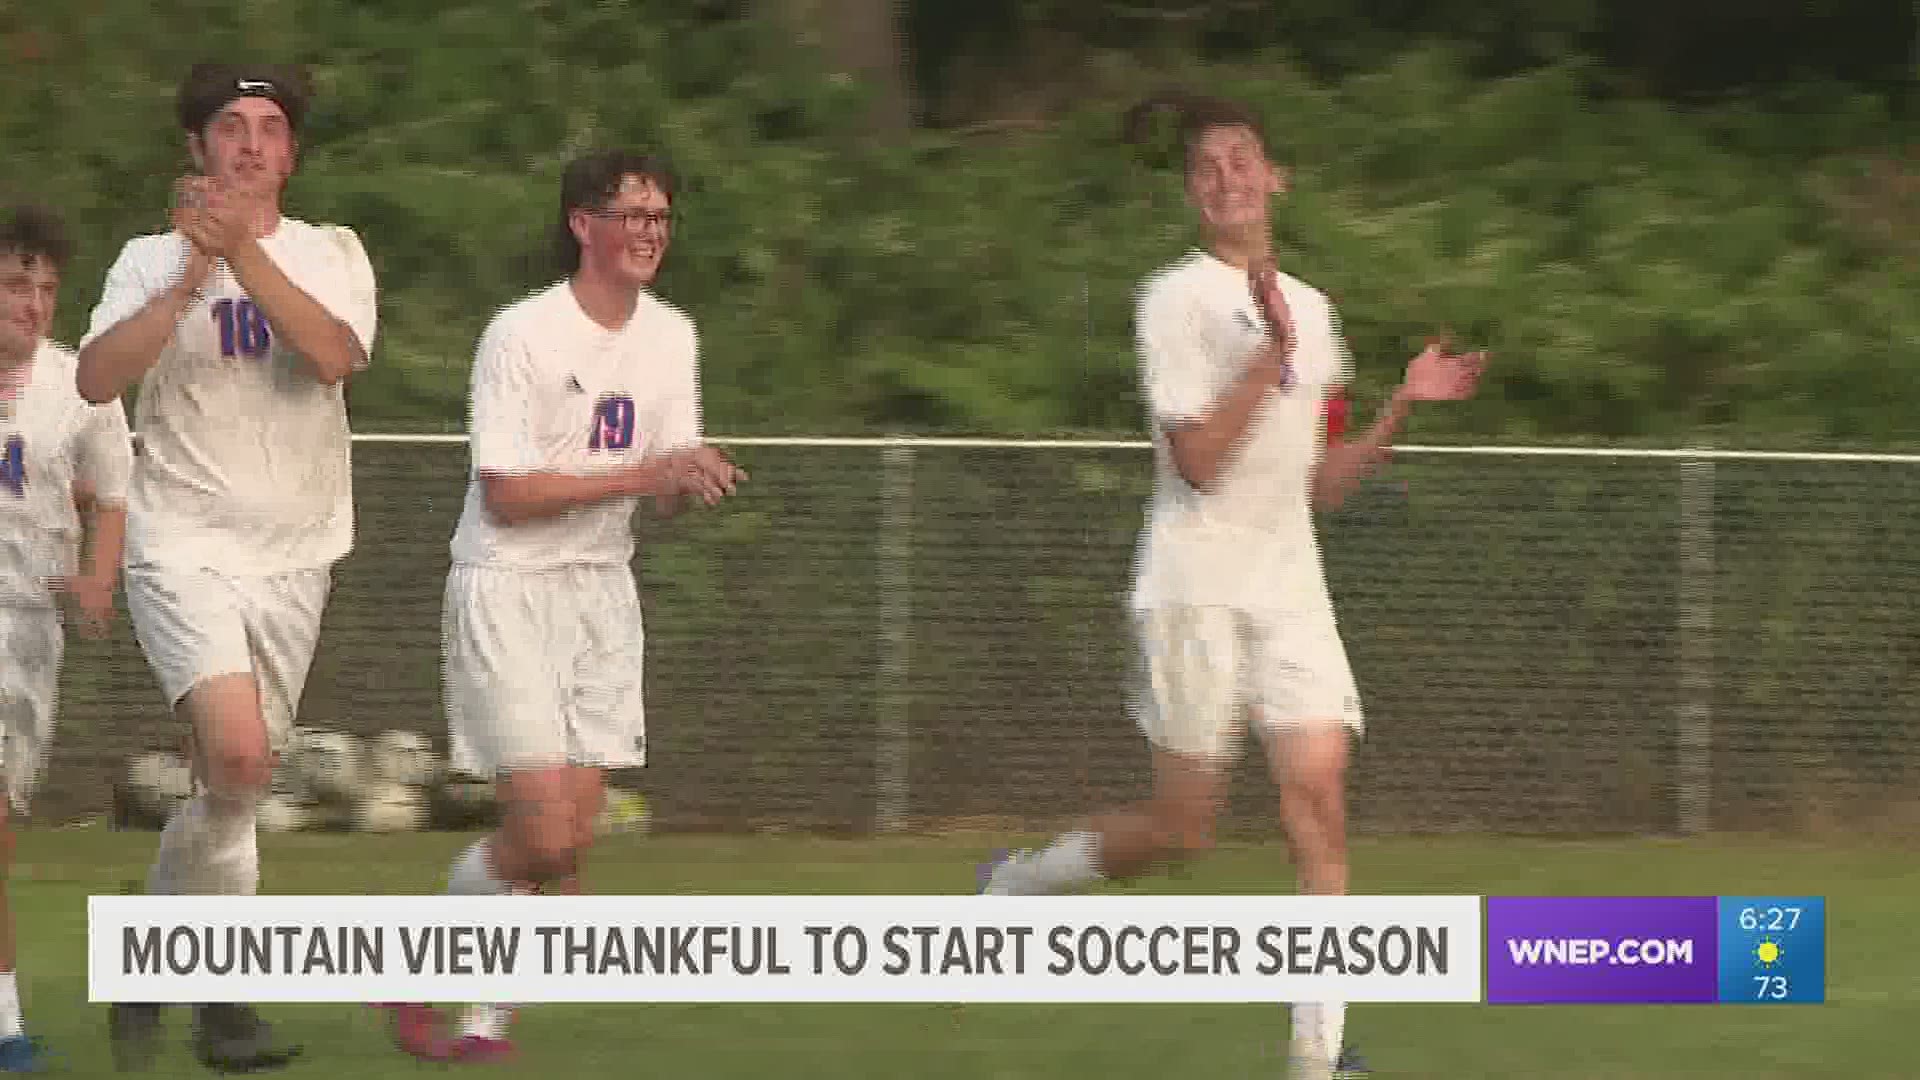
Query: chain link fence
(927, 634)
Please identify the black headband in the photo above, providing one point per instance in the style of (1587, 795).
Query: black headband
(210, 88)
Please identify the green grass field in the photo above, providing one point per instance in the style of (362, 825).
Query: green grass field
(1871, 891)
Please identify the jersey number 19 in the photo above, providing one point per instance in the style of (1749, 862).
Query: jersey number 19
(612, 424)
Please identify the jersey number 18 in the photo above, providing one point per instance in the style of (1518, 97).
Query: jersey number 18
(243, 329)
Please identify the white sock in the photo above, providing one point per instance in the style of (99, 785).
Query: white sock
(1333, 1027)
(233, 851)
(172, 857)
(11, 1022)
(486, 1021)
(1322, 1024)
(472, 875)
(1070, 863)
(209, 848)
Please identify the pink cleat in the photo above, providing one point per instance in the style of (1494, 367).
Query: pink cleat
(421, 1031)
(480, 1050)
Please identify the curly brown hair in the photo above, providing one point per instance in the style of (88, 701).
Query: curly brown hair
(35, 233)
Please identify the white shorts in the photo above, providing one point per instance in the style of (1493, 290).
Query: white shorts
(31, 645)
(194, 625)
(543, 668)
(1204, 669)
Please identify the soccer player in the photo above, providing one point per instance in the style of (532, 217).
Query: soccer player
(585, 398)
(241, 326)
(1241, 365)
(61, 460)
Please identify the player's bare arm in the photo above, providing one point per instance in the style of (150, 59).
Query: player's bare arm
(704, 473)
(1434, 375)
(225, 229)
(119, 357)
(1202, 451)
(92, 588)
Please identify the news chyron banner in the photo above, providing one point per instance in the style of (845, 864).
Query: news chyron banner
(956, 949)
(1670, 950)
(766, 949)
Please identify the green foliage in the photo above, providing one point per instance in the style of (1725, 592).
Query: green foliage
(1642, 274)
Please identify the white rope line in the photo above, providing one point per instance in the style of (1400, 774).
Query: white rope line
(958, 443)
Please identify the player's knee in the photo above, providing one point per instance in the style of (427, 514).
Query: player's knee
(239, 773)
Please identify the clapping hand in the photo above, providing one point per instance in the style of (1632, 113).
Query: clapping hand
(1263, 280)
(190, 198)
(210, 216)
(706, 473)
(1438, 375)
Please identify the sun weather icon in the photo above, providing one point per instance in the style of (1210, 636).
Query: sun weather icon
(1767, 952)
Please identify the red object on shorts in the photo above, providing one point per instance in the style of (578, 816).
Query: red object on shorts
(1336, 409)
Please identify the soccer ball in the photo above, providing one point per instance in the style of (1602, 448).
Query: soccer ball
(332, 764)
(624, 812)
(157, 784)
(280, 814)
(391, 808)
(404, 757)
(166, 777)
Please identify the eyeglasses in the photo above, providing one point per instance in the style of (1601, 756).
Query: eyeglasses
(637, 219)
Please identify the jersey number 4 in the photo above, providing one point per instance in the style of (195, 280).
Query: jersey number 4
(243, 329)
(13, 466)
(612, 424)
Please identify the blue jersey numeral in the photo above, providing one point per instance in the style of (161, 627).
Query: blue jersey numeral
(243, 329)
(612, 424)
(13, 466)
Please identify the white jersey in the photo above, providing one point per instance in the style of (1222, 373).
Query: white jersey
(555, 391)
(1249, 544)
(51, 440)
(245, 462)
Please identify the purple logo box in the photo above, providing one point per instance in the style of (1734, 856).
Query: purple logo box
(1595, 950)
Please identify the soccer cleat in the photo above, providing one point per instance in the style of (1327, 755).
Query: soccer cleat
(134, 1031)
(233, 1039)
(23, 1054)
(983, 872)
(1351, 1066)
(480, 1050)
(420, 1030)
